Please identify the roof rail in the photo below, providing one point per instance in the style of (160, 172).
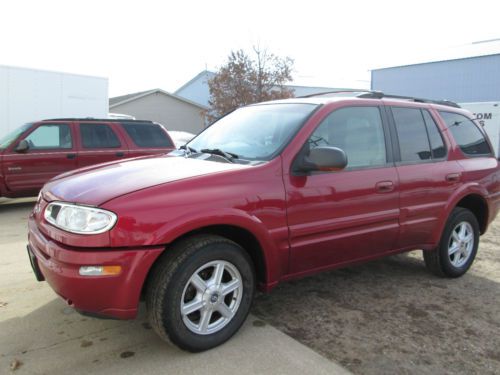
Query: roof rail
(380, 95)
(96, 119)
(334, 92)
(368, 94)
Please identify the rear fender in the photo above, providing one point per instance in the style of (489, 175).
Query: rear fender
(457, 196)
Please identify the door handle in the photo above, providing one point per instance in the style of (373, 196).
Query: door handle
(453, 177)
(120, 154)
(385, 186)
(71, 156)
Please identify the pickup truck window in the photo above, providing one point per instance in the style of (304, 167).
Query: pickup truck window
(98, 136)
(50, 136)
(147, 135)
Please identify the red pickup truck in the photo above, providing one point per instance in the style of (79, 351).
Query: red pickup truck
(36, 152)
(269, 193)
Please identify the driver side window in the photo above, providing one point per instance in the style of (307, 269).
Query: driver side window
(356, 130)
(50, 136)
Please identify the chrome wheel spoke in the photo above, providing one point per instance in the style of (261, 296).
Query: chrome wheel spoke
(218, 272)
(469, 238)
(225, 311)
(192, 306)
(198, 283)
(230, 287)
(453, 249)
(462, 231)
(205, 320)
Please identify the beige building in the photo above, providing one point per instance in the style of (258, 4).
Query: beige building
(172, 111)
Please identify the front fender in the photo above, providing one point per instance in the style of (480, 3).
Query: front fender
(275, 256)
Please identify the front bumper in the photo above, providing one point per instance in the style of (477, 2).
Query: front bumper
(110, 296)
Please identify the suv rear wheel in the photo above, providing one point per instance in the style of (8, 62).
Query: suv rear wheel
(200, 292)
(458, 246)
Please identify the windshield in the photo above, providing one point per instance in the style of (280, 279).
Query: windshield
(256, 132)
(6, 140)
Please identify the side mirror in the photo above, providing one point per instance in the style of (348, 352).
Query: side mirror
(328, 159)
(22, 146)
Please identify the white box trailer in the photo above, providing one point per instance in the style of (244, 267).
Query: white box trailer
(28, 95)
(488, 115)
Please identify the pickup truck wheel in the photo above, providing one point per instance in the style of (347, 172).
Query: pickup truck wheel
(199, 294)
(458, 246)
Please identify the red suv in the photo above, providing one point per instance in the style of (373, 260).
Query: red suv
(270, 192)
(36, 152)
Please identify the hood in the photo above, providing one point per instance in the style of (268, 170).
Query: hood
(96, 185)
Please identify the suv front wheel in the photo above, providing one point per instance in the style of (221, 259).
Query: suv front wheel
(200, 292)
(458, 246)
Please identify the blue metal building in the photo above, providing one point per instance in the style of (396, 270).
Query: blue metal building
(471, 79)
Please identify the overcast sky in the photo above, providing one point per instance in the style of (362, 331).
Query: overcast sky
(146, 44)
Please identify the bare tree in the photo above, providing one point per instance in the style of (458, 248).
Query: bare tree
(243, 80)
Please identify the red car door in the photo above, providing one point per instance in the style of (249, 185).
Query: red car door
(427, 178)
(339, 217)
(100, 142)
(51, 151)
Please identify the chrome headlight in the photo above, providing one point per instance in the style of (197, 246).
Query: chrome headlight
(79, 219)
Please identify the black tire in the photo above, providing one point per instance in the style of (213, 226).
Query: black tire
(438, 261)
(170, 276)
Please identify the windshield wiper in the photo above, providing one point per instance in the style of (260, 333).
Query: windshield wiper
(217, 151)
(189, 150)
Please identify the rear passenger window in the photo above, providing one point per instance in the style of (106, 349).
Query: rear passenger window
(412, 134)
(467, 135)
(147, 135)
(437, 144)
(356, 130)
(98, 136)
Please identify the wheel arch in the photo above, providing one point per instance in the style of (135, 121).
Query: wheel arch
(478, 206)
(242, 237)
(471, 197)
(247, 231)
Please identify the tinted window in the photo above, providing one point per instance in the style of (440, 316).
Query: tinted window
(467, 135)
(412, 134)
(49, 136)
(147, 135)
(437, 145)
(356, 130)
(98, 136)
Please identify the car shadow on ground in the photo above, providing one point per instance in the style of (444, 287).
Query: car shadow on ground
(7, 204)
(392, 316)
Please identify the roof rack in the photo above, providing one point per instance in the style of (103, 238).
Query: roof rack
(95, 119)
(380, 95)
(367, 94)
(334, 93)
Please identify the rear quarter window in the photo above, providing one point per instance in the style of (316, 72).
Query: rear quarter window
(147, 135)
(468, 136)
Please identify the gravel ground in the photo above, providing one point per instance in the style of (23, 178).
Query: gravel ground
(392, 316)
